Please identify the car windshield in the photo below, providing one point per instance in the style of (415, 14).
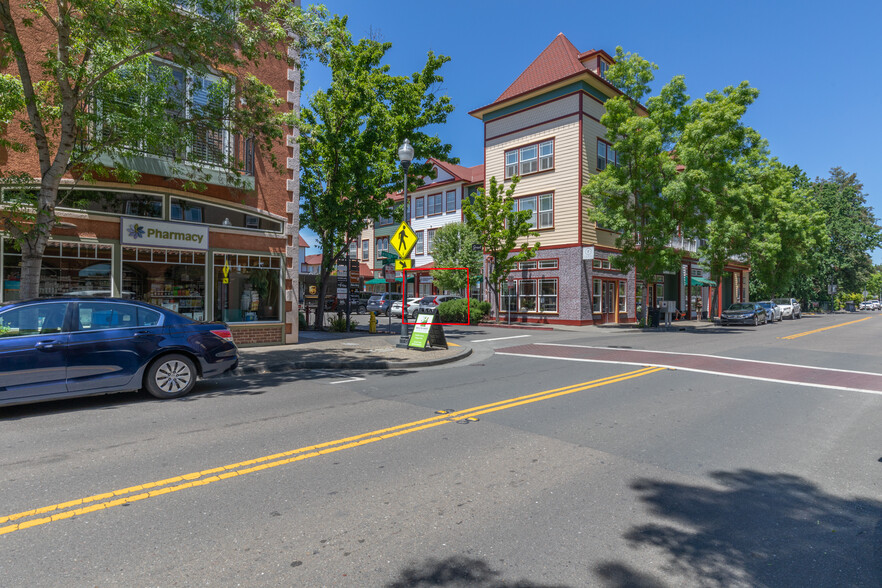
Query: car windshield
(741, 306)
(375, 298)
(765, 304)
(782, 301)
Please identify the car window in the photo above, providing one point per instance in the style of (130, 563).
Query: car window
(741, 306)
(33, 319)
(782, 301)
(93, 316)
(375, 299)
(148, 318)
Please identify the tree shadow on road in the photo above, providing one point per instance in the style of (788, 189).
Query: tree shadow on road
(757, 529)
(458, 571)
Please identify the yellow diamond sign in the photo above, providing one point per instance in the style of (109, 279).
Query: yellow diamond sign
(403, 240)
(403, 264)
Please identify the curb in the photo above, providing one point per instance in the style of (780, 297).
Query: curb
(524, 327)
(347, 365)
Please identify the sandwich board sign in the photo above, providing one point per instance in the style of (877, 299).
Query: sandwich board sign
(426, 333)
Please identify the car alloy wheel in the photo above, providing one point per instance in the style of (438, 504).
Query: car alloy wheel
(756, 320)
(171, 376)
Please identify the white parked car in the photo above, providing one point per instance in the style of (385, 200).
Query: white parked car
(411, 307)
(790, 307)
(774, 311)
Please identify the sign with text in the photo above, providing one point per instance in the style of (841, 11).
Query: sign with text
(144, 232)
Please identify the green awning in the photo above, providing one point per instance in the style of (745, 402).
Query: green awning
(376, 281)
(702, 282)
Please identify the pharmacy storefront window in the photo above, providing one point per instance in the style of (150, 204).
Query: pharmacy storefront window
(247, 287)
(76, 269)
(170, 278)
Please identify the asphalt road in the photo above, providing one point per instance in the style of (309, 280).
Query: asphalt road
(510, 469)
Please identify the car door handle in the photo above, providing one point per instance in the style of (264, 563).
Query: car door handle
(51, 345)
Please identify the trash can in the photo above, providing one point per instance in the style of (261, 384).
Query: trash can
(849, 305)
(653, 316)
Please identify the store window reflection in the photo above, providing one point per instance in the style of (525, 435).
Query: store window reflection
(247, 288)
(78, 269)
(168, 278)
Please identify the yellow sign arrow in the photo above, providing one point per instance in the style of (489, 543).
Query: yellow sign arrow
(403, 264)
(403, 240)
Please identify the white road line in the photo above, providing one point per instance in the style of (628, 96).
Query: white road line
(353, 379)
(338, 375)
(675, 368)
(498, 338)
(811, 367)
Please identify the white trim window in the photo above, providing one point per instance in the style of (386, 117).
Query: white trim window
(606, 155)
(451, 201)
(418, 208)
(365, 249)
(543, 218)
(418, 248)
(596, 295)
(434, 204)
(353, 249)
(529, 159)
(430, 238)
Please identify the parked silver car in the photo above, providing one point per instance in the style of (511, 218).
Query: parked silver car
(790, 307)
(774, 311)
(428, 304)
(382, 303)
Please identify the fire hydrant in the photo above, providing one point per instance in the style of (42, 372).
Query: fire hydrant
(372, 325)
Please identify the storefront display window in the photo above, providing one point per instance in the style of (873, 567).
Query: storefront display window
(247, 287)
(104, 201)
(548, 295)
(202, 212)
(623, 292)
(168, 278)
(79, 269)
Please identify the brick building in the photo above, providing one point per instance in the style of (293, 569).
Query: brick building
(226, 253)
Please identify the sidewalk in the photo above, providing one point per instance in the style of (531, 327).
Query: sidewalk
(355, 350)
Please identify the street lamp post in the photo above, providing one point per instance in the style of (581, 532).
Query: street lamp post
(405, 155)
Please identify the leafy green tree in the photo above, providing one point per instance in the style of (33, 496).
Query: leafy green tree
(874, 286)
(781, 229)
(500, 227)
(674, 162)
(97, 95)
(349, 140)
(452, 247)
(844, 259)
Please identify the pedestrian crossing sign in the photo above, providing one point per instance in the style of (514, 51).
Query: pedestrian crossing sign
(403, 240)
(403, 264)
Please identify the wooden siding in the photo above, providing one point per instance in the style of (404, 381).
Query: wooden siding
(591, 130)
(533, 116)
(563, 180)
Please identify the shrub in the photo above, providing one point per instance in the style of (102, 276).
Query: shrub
(456, 311)
(301, 322)
(338, 324)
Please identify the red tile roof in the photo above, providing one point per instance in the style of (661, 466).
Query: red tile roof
(559, 60)
(364, 270)
(429, 265)
(303, 242)
(314, 259)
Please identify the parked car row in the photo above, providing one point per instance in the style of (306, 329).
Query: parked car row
(870, 305)
(760, 313)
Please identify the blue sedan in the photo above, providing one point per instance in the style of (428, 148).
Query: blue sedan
(75, 346)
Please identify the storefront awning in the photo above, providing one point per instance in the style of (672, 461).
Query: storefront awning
(375, 281)
(702, 282)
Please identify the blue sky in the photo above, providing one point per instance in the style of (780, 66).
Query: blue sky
(816, 64)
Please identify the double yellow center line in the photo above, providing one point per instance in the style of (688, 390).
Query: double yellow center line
(82, 506)
(825, 329)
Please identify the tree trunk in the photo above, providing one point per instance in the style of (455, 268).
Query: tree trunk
(34, 241)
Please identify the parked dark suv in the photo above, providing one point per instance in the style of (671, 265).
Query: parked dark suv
(382, 303)
(359, 301)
